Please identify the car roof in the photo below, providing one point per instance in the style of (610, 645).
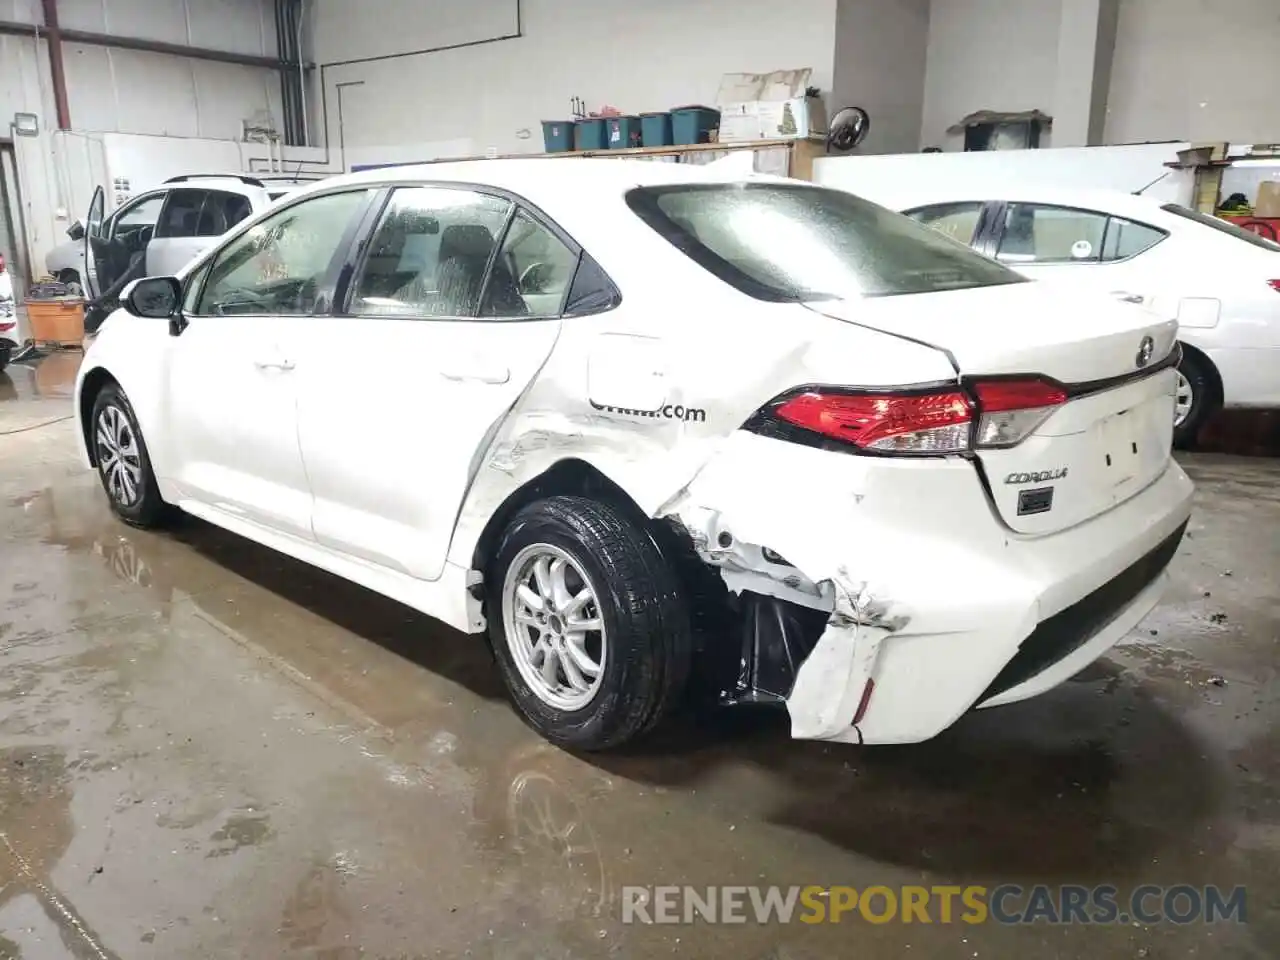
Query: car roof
(1105, 201)
(537, 178)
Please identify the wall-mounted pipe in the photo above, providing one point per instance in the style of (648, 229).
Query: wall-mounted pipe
(56, 68)
(302, 76)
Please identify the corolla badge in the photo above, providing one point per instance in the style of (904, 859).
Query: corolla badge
(1145, 350)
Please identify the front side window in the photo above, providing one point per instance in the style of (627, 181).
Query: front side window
(793, 242)
(141, 213)
(531, 274)
(278, 266)
(959, 221)
(1044, 234)
(181, 214)
(193, 288)
(429, 254)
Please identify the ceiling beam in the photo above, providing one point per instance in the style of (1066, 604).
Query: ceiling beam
(152, 46)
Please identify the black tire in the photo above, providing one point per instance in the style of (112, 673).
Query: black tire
(139, 505)
(647, 638)
(6, 353)
(1203, 399)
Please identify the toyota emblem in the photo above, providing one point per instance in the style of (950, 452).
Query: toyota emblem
(1145, 350)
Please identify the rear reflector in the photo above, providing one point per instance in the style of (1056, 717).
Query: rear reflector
(923, 422)
(1274, 284)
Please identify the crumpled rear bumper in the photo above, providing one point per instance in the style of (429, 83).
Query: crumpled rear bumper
(933, 606)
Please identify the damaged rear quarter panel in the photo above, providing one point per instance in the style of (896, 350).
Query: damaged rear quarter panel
(695, 358)
(882, 582)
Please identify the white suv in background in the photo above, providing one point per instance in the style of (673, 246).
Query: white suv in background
(172, 223)
(1219, 281)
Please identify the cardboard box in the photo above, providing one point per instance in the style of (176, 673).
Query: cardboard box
(1268, 202)
(769, 106)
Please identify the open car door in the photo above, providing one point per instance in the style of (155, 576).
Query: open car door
(94, 246)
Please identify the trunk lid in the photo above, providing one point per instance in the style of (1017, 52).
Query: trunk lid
(1112, 437)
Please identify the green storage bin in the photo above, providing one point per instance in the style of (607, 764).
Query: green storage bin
(655, 129)
(557, 135)
(691, 125)
(623, 133)
(589, 134)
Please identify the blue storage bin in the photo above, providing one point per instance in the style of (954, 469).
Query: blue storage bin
(589, 134)
(691, 125)
(557, 135)
(623, 132)
(655, 129)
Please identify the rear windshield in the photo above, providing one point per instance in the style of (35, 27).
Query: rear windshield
(792, 242)
(1222, 226)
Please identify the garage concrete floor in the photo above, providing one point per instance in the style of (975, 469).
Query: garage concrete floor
(207, 750)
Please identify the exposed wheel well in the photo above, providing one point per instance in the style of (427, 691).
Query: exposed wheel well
(94, 381)
(570, 477)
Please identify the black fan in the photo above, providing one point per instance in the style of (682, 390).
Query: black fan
(849, 127)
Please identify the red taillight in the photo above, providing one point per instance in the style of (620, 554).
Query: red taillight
(1, 263)
(928, 423)
(885, 422)
(1274, 284)
(996, 396)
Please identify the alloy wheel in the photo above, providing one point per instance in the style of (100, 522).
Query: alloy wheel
(1184, 400)
(119, 459)
(553, 626)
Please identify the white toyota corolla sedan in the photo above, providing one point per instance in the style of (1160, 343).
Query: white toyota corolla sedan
(638, 422)
(1220, 281)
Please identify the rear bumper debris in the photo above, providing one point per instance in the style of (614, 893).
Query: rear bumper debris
(865, 607)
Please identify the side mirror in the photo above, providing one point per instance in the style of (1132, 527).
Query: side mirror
(156, 297)
(76, 231)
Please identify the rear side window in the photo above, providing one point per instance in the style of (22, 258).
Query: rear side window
(1043, 233)
(429, 255)
(1126, 239)
(792, 242)
(1222, 226)
(181, 214)
(221, 212)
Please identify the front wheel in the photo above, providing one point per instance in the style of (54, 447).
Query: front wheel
(1193, 401)
(588, 624)
(124, 465)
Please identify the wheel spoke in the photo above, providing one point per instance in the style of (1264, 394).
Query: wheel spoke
(559, 588)
(529, 598)
(574, 606)
(571, 672)
(104, 439)
(585, 626)
(550, 666)
(575, 645)
(526, 617)
(127, 484)
(542, 574)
